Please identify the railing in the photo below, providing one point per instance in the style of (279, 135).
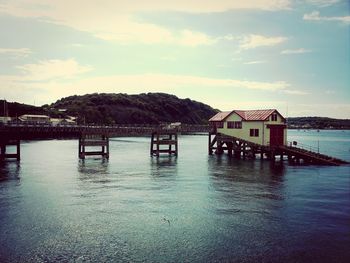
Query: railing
(147, 128)
(302, 146)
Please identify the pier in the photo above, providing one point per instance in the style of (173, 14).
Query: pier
(90, 138)
(219, 143)
(164, 141)
(4, 143)
(93, 140)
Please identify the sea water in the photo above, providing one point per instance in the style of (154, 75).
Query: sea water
(191, 208)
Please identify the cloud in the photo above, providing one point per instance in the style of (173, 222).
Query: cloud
(315, 16)
(323, 3)
(48, 8)
(295, 92)
(335, 110)
(116, 20)
(255, 41)
(295, 51)
(255, 62)
(50, 80)
(52, 69)
(16, 52)
(159, 82)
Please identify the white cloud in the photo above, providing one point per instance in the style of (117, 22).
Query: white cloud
(315, 16)
(48, 81)
(44, 8)
(295, 92)
(295, 51)
(323, 3)
(156, 82)
(52, 69)
(255, 62)
(255, 41)
(253, 105)
(324, 110)
(190, 38)
(16, 52)
(116, 19)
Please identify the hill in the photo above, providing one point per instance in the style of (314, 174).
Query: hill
(317, 123)
(150, 108)
(17, 109)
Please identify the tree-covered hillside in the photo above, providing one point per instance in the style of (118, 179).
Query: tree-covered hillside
(150, 108)
(14, 109)
(318, 123)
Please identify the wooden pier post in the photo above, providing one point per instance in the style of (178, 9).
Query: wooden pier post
(211, 142)
(8, 142)
(93, 140)
(163, 142)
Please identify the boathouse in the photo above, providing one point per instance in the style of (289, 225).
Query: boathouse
(263, 127)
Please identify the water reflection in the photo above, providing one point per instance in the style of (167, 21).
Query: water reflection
(10, 170)
(93, 166)
(94, 170)
(163, 166)
(245, 186)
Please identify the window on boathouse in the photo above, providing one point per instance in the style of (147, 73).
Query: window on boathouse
(234, 125)
(274, 117)
(254, 132)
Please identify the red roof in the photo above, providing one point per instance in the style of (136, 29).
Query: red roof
(220, 116)
(247, 115)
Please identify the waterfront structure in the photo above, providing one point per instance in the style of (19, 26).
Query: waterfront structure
(93, 140)
(163, 141)
(263, 127)
(4, 143)
(33, 118)
(4, 119)
(259, 132)
(61, 121)
(12, 133)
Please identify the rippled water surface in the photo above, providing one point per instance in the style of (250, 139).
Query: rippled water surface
(193, 208)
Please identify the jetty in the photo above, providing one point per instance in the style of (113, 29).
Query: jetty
(93, 140)
(164, 141)
(240, 148)
(248, 133)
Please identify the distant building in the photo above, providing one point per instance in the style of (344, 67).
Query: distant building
(60, 121)
(264, 127)
(5, 119)
(32, 118)
(44, 119)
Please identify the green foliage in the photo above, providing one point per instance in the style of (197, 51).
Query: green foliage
(17, 109)
(145, 108)
(150, 108)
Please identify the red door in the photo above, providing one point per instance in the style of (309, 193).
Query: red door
(276, 135)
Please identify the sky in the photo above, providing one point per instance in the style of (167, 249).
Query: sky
(255, 54)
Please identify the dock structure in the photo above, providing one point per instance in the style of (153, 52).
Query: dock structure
(219, 143)
(93, 140)
(4, 143)
(164, 141)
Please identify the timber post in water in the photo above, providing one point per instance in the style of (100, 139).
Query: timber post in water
(4, 142)
(163, 142)
(93, 140)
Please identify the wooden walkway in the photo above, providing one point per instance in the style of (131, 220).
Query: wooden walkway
(310, 156)
(238, 147)
(163, 142)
